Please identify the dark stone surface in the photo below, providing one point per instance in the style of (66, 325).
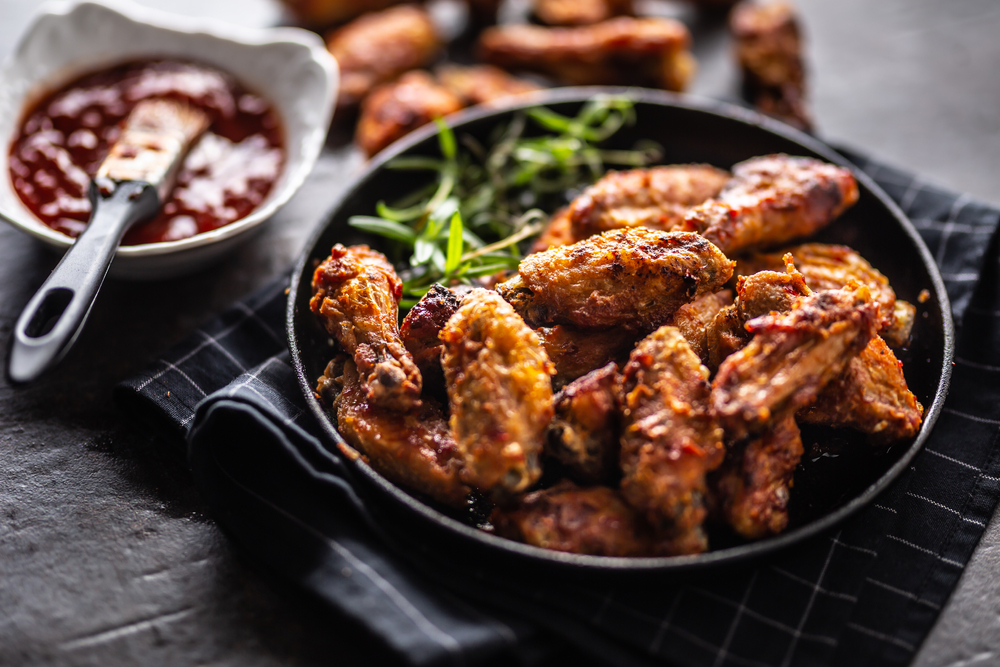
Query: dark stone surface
(106, 555)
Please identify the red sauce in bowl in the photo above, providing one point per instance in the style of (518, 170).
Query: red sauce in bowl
(227, 174)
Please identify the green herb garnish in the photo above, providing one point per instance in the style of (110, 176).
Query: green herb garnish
(470, 220)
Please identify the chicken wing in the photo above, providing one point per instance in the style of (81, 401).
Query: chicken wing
(627, 51)
(791, 358)
(420, 328)
(656, 197)
(394, 110)
(580, 12)
(669, 439)
(356, 296)
(575, 352)
(771, 200)
(500, 393)
(593, 521)
(482, 84)
(583, 435)
(870, 396)
(751, 487)
(633, 279)
(378, 47)
(769, 51)
(695, 319)
(413, 448)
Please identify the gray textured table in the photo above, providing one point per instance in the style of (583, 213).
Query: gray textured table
(106, 554)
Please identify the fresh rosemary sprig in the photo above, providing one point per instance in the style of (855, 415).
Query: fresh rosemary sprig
(484, 201)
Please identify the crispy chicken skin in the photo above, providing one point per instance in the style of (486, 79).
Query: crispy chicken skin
(769, 51)
(656, 197)
(482, 84)
(580, 12)
(356, 296)
(584, 433)
(413, 448)
(772, 200)
(394, 110)
(632, 278)
(500, 393)
(593, 521)
(870, 396)
(752, 487)
(378, 47)
(648, 52)
(319, 13)
(792, 356)
(670, 440)
(575, 352)
(695, 319)
(421, 326)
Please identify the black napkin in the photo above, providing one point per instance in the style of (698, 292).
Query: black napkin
(865, 593)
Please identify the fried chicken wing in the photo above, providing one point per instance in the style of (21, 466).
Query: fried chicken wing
(670, 440)
(792, 356)
(575, 352)
(769, 51)
(771, 200)
(593, 521)
(633, 279)
(695, 319)
(356, 296)
(412, 448)
(580, 12)
(378, 47)
(752, 486)
(421, 326)
(655, 197)
(394, 110)
(482, 84)
(870, 396)
(584, 433)
(500, 393)
(649, 52)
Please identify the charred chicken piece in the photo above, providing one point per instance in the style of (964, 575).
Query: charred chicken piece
(623, 51)
(633, 279)
(320, 13)
(395, 109)
(356, 296)
(482, 84)
(378, 47)
(558, 231)
(656, 197)
(752, 486)
(412, 448)
(580, 12)
(575, 352)
(421, 326)
(695, 319)
(670, 440)
(500, 393)
(593, 521)
(584, 433)
(791, 358)
(870, 396)
(772, 200)
(769, 51)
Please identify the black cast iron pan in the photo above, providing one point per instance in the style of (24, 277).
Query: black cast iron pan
(839, 475)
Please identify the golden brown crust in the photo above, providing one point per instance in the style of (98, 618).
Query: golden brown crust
(593, 521)
(695, 319)
(669, 439)
(500, 393)
(752, 486)
(583, 435)
(580, 12)
(356, 296)
(575, 352)
(791, 358)
(378, 47)
(414, 449)
(870, 396)
(771, 200)
(482, 84)
(633, 279)
(647, 52)
(394, 110)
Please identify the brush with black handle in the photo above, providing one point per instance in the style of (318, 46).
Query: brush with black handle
(131, 185)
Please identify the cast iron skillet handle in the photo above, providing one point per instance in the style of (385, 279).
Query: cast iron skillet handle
(54, 317)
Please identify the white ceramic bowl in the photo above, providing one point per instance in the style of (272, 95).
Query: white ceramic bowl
(288, 66)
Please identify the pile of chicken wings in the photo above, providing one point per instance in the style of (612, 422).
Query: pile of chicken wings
(649, 357)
